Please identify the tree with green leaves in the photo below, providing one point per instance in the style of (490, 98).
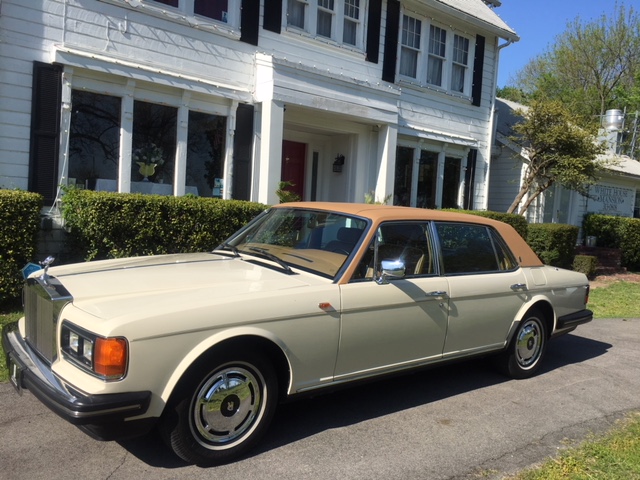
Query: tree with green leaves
(556, 150)
(591, 66)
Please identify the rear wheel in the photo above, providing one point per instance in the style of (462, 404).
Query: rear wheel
(527, 348)
(218, 416)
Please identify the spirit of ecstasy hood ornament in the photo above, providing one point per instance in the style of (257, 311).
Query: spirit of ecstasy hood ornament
(45, 265)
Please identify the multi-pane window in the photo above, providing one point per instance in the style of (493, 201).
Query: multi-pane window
(325, 18)
(460, 63)
(410, 49)
(339, 22)
(95, 140)
(437, 54)
(439, 58)
(351, 21)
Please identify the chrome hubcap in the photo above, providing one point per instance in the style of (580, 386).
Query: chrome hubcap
(529, 344)
(226, 407)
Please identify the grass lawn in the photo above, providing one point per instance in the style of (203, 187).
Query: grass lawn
(615, 456)
(616, 300)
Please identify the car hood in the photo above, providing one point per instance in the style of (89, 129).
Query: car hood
(111, 288)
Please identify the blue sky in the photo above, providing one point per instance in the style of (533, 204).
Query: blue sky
(538, 22)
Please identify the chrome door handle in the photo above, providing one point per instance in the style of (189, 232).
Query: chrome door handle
(519, 286)
(437, 293)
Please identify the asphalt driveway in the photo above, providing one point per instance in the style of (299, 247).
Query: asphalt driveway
(449, 423)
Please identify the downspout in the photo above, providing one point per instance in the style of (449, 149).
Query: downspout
(492, 123)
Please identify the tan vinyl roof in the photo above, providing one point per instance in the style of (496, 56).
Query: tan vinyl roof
(380, 213)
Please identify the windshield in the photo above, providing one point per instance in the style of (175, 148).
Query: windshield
(312, 240)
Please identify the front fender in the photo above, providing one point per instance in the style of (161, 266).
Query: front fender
(210, 342)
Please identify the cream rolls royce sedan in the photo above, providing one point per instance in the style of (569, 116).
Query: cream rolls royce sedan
(307, 296)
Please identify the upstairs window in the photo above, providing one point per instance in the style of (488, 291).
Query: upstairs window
(328, 19)
(215, 9)
(224, 11)
(460, 63)
(437, 54)
(296, 14)
(438, 58)
(410, 49)
(351, 22)
(325, 18)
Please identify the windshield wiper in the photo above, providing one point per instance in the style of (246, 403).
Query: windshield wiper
(228, 246)
(272, 257)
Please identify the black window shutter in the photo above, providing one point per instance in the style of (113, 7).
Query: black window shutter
(478, 71)
(45, 130)
(250, 21)
(373, 30)
(391, 41)
(242, 148)
(273, 15)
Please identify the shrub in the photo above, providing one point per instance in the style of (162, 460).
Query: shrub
(19, 227)
(554, 243)
(112, 225)
(616, 232)
(516, 221)
(586, 264)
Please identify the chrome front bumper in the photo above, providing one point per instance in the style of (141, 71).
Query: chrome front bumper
(28, 371)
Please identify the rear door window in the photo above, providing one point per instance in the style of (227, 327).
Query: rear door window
(468, 248)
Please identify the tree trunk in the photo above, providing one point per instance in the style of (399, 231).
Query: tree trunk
(523, 191)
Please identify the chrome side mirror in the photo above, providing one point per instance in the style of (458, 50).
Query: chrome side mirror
(391, 269)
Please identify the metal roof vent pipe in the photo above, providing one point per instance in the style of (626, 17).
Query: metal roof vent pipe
(613, 120)
(611, 131)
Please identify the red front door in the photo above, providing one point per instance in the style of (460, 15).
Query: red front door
(293, 159)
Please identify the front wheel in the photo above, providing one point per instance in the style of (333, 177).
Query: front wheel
(218, 416)
(527, 348)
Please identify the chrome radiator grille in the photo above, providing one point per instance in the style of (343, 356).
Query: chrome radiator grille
(43, 301)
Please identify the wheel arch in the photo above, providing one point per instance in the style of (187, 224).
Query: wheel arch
(538, 303)
(253, 342)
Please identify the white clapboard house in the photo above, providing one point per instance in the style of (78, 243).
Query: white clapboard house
(227, 98)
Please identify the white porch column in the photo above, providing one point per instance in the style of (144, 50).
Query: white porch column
(440, 177)
(461, 181)
(180, 174)
(270, 161)
(227, 188)
(126, 138)
(387, 142)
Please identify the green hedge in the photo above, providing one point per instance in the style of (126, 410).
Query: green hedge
(19, 227)
(587, 264)
(516, 221)
(616, 232)
(113, 225)
(554, 243)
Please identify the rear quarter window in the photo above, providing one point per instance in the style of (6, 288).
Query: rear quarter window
(468, 248)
